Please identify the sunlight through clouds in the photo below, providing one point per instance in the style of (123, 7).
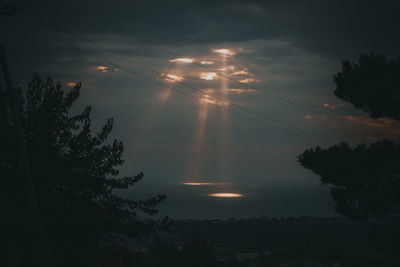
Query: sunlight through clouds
(224, 51)
(208, 75)
(182, 60)
(198, 142)
(241, 72)
(248, 80)
(172, 77)
(227, 68)
(164, 95)
(224, 67)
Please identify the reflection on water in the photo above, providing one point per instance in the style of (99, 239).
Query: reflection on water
(194, 184)
(231, 195)
(205, 183)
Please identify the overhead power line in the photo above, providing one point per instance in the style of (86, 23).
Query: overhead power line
(175, 54)
(170, 87)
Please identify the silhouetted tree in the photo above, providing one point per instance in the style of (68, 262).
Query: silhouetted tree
(366, 178)
(75, 171)
(372, 85)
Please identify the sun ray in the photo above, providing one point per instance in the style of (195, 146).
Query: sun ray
(225, 153)
(198, 140)
(208, 75)
(157, 106)
(182, 60)
(224, 52)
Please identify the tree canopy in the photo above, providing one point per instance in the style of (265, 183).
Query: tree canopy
(365, 179)
(75, 171)
(372, 84)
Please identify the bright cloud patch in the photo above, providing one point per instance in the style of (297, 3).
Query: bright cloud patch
(182, 60)
(230, 68)
(205, 62)
(171, 77)
(208, 75)
(224, 51)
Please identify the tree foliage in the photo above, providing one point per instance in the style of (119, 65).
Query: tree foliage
(366, 178)
(372, 85)
(75, 170)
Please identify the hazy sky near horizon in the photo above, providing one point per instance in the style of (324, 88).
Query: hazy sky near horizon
(226, 93)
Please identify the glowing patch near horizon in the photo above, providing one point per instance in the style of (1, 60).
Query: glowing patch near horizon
(225, 195)
(182, 60)
(197, 184)
(225, 52)
(102, 68)
(171, 77)
(205, 184)
(385, 120)
(205, 62)
(208, 75)
(373, 124)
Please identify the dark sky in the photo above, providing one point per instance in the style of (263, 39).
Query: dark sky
(226, 93)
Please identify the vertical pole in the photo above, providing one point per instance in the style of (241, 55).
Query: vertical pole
(34, 219)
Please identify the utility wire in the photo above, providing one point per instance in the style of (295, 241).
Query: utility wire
(169, 51)
(167, 86)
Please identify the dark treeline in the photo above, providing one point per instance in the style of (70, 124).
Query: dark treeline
(71, 205)
(305, 241)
